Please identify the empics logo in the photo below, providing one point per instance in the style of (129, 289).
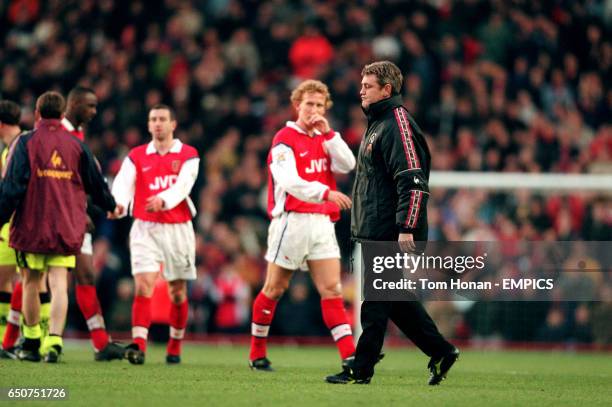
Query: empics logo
(56, 168)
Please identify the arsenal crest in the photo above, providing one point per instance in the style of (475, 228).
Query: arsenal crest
(176, 164)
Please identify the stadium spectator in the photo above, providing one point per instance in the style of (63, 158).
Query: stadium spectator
(310, 53)
(555, 328)
(232, 295)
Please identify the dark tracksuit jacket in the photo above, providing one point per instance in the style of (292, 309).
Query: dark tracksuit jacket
(391, 186)
(390, 197)
(49, 174)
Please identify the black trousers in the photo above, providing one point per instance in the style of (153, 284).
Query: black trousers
(410, 317)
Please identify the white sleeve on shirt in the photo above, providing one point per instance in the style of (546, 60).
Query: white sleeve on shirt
(285, 174)
(342, 158)
(124, 184)
(181, 189)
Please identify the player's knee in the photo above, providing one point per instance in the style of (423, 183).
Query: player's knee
(143, 289)
(31, 277)
(275, 291)
(330, 290)
(57, 285)
(6, 281)
(178, 294)
(6, 286)
(144, 292)
(84, 276)
(178, 297)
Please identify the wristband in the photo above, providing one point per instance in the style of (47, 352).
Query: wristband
(330, 134)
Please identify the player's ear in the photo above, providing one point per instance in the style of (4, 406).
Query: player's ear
(173, 125)
(387, 90)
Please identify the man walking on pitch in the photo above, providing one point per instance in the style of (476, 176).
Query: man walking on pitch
(81, 108)
(156, 179)
(48, 176)
(303, 204)
(390, 204)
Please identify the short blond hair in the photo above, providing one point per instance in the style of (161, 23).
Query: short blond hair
(311, 86)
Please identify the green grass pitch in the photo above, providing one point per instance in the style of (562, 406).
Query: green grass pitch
(219, 376)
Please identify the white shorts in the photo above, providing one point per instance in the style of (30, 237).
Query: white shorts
(294, 238)
(87, 247)
(167, 245)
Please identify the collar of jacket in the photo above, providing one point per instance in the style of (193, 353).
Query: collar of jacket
(375, 110)
(48, 123)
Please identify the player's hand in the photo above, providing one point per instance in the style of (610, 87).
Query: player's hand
(117, 213)
(320, 123)
(337, 197)
(154, 204)
(406, 243)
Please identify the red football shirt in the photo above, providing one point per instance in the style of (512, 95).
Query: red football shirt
(156, 173)
(312, 163)
(78, 133)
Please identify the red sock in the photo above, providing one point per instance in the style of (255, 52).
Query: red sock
(178, 322)
(141, 320)
(90, 308)
(14, 318)
(335, 318)
(263, 312)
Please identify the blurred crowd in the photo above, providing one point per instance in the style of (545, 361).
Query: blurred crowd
(514, 86)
